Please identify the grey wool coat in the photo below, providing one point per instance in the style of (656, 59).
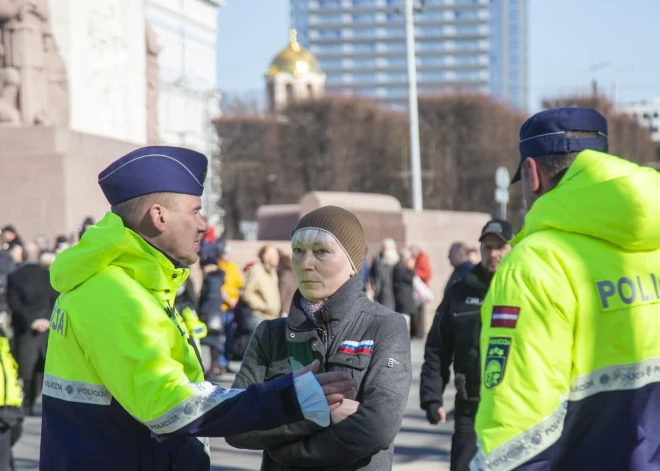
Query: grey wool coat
(352, 334)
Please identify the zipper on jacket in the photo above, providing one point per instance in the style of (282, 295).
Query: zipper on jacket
(324, 337)
(171, 312)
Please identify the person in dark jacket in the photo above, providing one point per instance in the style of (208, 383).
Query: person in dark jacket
(459, 259)
(7, 266)
(332, 319)
(454, 337)
(31, 299)
(402, 283)
(10, 238)
(382, 269)
(210, 310)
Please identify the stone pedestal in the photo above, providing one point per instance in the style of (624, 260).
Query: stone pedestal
(48, 178)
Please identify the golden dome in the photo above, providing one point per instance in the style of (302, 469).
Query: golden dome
(294, 59)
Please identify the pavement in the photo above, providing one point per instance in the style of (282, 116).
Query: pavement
(418, 446)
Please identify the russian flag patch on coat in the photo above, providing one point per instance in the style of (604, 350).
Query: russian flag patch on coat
(355, 348)
(504, 316)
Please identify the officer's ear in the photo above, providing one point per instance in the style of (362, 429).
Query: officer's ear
(531, 172)
(157, 217)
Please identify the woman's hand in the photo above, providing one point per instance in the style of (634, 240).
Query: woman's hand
(347, 408)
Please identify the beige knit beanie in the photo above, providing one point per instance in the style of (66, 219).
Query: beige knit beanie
(343, 225)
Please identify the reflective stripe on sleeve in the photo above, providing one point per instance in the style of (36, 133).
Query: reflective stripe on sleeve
(539, 437)
(616, 378)
(76, 391)
(525, 446)
(205, 397)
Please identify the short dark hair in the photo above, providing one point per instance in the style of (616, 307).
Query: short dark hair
(461, 249)
(132, 211)
(555, 166)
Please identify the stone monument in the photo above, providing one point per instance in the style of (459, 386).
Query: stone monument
(28, 55)
(66, 112)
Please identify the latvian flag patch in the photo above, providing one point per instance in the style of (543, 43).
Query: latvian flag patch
(355, 348)
(504, 316)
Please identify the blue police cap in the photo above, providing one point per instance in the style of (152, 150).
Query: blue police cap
(152, 170)
(545, 133)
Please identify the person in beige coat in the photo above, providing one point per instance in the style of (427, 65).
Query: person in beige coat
(262, 292)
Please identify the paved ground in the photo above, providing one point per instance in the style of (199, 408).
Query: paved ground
(419, 446)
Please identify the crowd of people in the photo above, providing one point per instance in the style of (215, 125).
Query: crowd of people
(552, 334)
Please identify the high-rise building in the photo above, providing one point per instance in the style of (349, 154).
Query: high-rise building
(461, 45)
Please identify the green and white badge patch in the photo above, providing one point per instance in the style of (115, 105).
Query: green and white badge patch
(496, 356)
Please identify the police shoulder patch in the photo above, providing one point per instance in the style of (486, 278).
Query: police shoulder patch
(496, 357)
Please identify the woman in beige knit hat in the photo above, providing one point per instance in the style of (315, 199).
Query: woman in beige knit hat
(332, 320)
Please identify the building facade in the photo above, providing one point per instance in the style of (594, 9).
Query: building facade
(461, 46)
(188, 98)
(648, 115)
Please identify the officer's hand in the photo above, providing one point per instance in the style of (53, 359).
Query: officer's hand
(436, 414)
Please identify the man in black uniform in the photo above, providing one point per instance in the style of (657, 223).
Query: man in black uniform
(454, 336)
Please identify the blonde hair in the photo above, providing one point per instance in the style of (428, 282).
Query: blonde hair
(313, 235)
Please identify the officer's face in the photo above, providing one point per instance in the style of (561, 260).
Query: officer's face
(320, 269)
(493, 250)
(186, 227)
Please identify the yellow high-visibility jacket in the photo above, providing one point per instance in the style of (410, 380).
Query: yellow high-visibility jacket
(570, 343)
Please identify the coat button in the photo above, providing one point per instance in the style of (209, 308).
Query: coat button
(174, 276)
(292, 335)
(315, 344)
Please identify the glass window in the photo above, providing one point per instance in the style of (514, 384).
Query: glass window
(466, 45)
(327, 48)
(433, 30)
(396, 32)
(364, 78)
(394, 47)
(364, 3)
(329, 19)
(397, 62)
(467, 75)
(365, 47)
(466, 15)
(330, 33)
(364, 18)
(397, 77)
(330, 64)
(433, 60)
(431, 46)
(329, 4)
(431, 76)
(466, 60)
(466, 29)
(334, 79)
(364, 62)
(364, 33)
(513, 30)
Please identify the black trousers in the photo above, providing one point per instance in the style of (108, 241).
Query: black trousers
(464, 441)
(31, 357)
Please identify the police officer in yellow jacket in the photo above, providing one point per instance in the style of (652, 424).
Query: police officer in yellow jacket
(11, 400)
(124, 386)
(570, 343)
